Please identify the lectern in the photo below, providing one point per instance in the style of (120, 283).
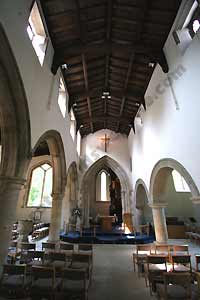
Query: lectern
(106, 222)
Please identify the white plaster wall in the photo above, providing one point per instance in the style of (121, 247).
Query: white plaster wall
(93, 148)
(41, 86)
(169, 131)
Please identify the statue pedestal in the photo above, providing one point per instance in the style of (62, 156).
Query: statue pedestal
(24, 228)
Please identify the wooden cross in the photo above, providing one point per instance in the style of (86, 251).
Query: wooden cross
(106, 141)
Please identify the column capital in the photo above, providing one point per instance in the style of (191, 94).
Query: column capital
(195, 200)
(158, 205)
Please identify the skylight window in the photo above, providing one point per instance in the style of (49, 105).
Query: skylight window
(36, 33)
(179, 182)
(62, 98)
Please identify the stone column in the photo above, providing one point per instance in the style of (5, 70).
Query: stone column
(10, 188)
(56, 212)
(196, 207)
(124, 208)
(158, 211)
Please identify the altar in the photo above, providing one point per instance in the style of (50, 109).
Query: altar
(106, 222)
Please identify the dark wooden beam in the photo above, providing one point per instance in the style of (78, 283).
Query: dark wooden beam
(100, 119)
(126, 87)
(62, 55)
(108, 36)
(87, 88)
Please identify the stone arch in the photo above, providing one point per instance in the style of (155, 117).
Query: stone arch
(56, 149)
(143, 211)
(163, 167)
(15, 140)
(126, 190)
(14, 115)
(140, 186)
(71, 195)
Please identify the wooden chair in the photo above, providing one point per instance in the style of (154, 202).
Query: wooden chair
(82, 261)
(181, 263)
(197, 262)
(139, 257)
(180, 249)
(176, 286)
(57, 260)
(68, 249)
(48, 246)
(44, 282)
(74, 284)
(156, 265)
(164, 250)
(25, 247)
(14, 282)
(86, 248)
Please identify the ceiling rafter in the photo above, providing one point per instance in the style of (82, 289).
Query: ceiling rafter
(80, 30)
(76, 49)
(108, 36)
(125, 88)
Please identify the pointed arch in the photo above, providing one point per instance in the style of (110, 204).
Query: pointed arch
(95, 168)
(56, 149)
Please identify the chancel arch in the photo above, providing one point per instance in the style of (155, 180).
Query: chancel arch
(15, 140)
(70, 200)
(56, 150)
(88, 186)
(143, 210)
(172, 194)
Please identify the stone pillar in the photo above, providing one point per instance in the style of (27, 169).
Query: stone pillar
(10, 188)
(124, 208)
(160, 226)
(56, 213)
(196, 208)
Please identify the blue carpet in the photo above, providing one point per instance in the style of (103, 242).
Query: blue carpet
(114, 237)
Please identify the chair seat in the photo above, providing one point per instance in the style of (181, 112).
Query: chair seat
(45, 284)
(14, 281)
(173, 292)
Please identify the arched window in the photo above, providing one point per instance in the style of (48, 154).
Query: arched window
(103, 186)
(41, 187)
(72, 124)
(62, 97)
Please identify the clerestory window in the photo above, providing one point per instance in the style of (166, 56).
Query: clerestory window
(36, 33)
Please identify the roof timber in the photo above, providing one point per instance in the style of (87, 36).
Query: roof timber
(108, 45)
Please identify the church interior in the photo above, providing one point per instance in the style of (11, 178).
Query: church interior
(99, 149)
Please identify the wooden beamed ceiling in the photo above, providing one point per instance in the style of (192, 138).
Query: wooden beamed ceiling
(108, 46)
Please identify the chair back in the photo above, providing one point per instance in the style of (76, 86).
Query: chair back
(184, 260)
(180, 249)
(144, 249)
(155, 259)
(65, 246)
(57, 256)
(87, 258)
(48, 245)
(27, 246)
(197, 260)
(85, 247)
(42, 272)
(74, 274)
(14, 269)
(39, 255)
